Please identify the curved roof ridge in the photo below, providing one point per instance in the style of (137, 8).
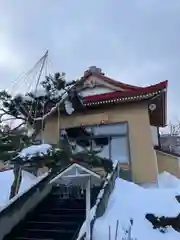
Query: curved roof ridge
(116, 83)
(143, 90)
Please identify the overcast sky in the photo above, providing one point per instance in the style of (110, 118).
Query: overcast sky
(133, 41)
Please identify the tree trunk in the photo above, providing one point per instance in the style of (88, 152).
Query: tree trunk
(17, 181)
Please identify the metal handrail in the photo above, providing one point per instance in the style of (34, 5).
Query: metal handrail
(103, 197)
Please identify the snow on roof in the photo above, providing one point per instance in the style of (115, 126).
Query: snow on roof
(34, 150)
(6, 180)
(130, 201)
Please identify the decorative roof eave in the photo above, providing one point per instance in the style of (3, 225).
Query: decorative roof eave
(139, 94)
(123, 99)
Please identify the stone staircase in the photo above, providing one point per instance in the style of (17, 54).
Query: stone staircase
(57, 217)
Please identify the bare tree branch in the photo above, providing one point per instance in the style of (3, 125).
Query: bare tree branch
(174, 128)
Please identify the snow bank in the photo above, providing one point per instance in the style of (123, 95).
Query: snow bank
(166, 180)
(130, 201)
(6, 180)
(34, 150)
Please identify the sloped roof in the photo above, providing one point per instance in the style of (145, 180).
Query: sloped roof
(109, 80)
(135, 94)
(96, 72)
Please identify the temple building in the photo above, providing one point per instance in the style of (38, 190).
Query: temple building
(121, 122)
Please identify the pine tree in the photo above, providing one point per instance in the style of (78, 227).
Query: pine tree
(32, 106)
(10, 144)
(29, 109)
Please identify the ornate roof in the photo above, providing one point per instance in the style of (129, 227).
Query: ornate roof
(121, 91)
(124, 93)
(138, 94)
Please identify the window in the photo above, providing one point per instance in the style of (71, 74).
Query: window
(103, 148)
(110, 129)
(111, 141)
(119, 149)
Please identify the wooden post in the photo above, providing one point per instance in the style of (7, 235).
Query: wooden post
(88, 208)
(59, 125)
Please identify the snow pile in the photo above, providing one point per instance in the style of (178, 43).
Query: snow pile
(130, 201)
(166, 180)
(6, 180)
(35, 150)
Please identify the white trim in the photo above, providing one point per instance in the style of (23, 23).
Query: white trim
(122, 99)
(88, 171)
(78, 166)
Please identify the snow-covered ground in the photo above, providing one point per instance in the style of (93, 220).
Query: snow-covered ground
(28, 179)
(6, 180)
(130, 201)
(127, 201)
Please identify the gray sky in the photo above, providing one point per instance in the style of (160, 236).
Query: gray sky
(134, 41)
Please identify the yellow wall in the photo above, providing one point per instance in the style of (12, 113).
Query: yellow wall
(143, 157)
(168, 163)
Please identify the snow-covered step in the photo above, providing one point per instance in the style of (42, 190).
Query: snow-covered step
(53, 219)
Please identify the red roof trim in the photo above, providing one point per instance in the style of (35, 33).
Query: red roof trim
(117, 94)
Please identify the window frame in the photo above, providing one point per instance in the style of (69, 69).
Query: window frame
(126, 134)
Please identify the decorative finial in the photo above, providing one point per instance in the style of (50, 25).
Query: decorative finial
(94, 69)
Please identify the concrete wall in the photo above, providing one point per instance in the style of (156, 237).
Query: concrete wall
(168, 163)
(143, 157)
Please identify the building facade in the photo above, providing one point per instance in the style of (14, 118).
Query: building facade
(120, 121)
